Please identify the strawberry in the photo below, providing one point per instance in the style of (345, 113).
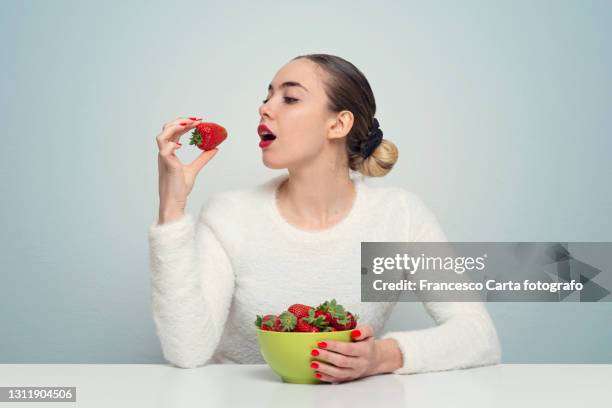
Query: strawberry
(268, 322)
(208, 135)
(284, 322)
(346, 322)
(332, 309)
(299, 310)
(327, 316)
(287, 321)
(314, 320)
(303, 326)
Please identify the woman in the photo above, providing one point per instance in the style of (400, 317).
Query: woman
(296, 238)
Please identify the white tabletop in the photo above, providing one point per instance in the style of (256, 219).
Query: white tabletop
(151, 385)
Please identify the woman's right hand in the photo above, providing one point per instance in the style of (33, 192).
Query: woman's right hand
(176, 180)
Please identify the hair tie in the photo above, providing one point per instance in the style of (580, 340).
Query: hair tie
(375, 136)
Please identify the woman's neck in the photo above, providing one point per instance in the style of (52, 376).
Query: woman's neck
(316, 201)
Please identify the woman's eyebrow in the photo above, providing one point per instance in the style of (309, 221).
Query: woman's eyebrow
(288, 84)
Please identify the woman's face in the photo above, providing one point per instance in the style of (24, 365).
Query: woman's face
(296, 113)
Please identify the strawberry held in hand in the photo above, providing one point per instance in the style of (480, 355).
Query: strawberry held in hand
(207, 136)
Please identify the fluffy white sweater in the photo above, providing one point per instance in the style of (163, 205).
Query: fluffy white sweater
(210, 277)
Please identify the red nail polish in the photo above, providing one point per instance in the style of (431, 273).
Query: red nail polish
(355, 333)
(193, 118)
(314, 365)
(314, 353)
(182, 124)
(318, 375)
(321, 344)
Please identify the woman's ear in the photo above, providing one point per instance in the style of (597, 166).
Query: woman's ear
(342, 125)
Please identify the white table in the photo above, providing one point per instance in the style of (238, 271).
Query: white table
(151, 385)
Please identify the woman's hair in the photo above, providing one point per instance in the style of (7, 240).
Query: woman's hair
(348, 89)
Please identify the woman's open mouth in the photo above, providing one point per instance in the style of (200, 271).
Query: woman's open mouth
(266, 141)
(266, 136)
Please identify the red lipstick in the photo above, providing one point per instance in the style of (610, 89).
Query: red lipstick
(266, 136)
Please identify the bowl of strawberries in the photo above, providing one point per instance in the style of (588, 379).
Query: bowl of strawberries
(287, 339)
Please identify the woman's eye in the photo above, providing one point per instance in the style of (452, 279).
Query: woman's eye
(286, 98)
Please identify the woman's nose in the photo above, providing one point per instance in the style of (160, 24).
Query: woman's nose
(265, 109)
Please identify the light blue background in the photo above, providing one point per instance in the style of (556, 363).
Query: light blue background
(501, 111)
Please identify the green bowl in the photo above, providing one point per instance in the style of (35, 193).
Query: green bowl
(288, 353)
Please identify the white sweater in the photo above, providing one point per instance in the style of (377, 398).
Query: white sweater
(210, 278)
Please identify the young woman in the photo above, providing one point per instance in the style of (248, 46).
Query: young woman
(297, 237)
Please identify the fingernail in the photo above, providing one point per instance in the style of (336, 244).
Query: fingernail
(318, 375)
(179, 145)
(182, 124)
(193, 118)
(314, 365)
(314, 352)
(355, 333)
(321, 344)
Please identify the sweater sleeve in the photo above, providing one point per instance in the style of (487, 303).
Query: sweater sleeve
(192, 288)
(464, 335)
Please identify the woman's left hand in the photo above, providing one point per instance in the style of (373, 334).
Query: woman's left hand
(339, 361)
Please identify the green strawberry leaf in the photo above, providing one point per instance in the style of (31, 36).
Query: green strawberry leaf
(288, 321)
(344, 319)
(196, 138)
(269, 322)
(315, 321)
